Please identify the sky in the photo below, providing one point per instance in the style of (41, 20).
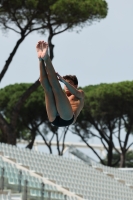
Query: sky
(100, 53)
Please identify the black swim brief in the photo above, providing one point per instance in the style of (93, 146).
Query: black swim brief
(61, 122)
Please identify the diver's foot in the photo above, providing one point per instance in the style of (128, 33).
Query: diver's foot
(39, 49)
(44, 54)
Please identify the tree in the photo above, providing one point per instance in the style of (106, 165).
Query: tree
(24, 17)
(29, 113)
(32, 120)
(128, 159)
(108, 115)
(20, 17)
(54, 17)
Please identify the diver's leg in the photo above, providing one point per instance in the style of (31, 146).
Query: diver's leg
(49, 96)
(62, 103)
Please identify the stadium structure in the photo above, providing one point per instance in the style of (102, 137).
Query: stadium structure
(32, 175)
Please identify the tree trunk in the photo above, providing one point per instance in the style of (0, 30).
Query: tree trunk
(7, 131)
(51, 46)
(110, 155)
(8, 61)
(30, 145)
(122, 160)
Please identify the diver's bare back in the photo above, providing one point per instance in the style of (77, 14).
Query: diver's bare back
(76, 104)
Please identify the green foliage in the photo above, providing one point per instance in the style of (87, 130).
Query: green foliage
(33, 111)
(105, 106)
(128, 159)
(108, 109)
(51, 13)
(10, 95)
(22, 14)
(19, 4)
(78, 11)
(110, 100)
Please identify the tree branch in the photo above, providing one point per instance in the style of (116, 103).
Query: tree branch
(89, 146)
(114, 164)
(16, 20)
(127, 137)
(104, 144)
(129, 146)
(34, 29)
(33, 135)
(3, 125)
(48, 145)
(8, 61)
(63, 146)
(7, 27)
(96, 127)
(58, 147)
(60, 31)
(119, 130)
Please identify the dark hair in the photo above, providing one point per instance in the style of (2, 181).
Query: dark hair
(72, 78)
